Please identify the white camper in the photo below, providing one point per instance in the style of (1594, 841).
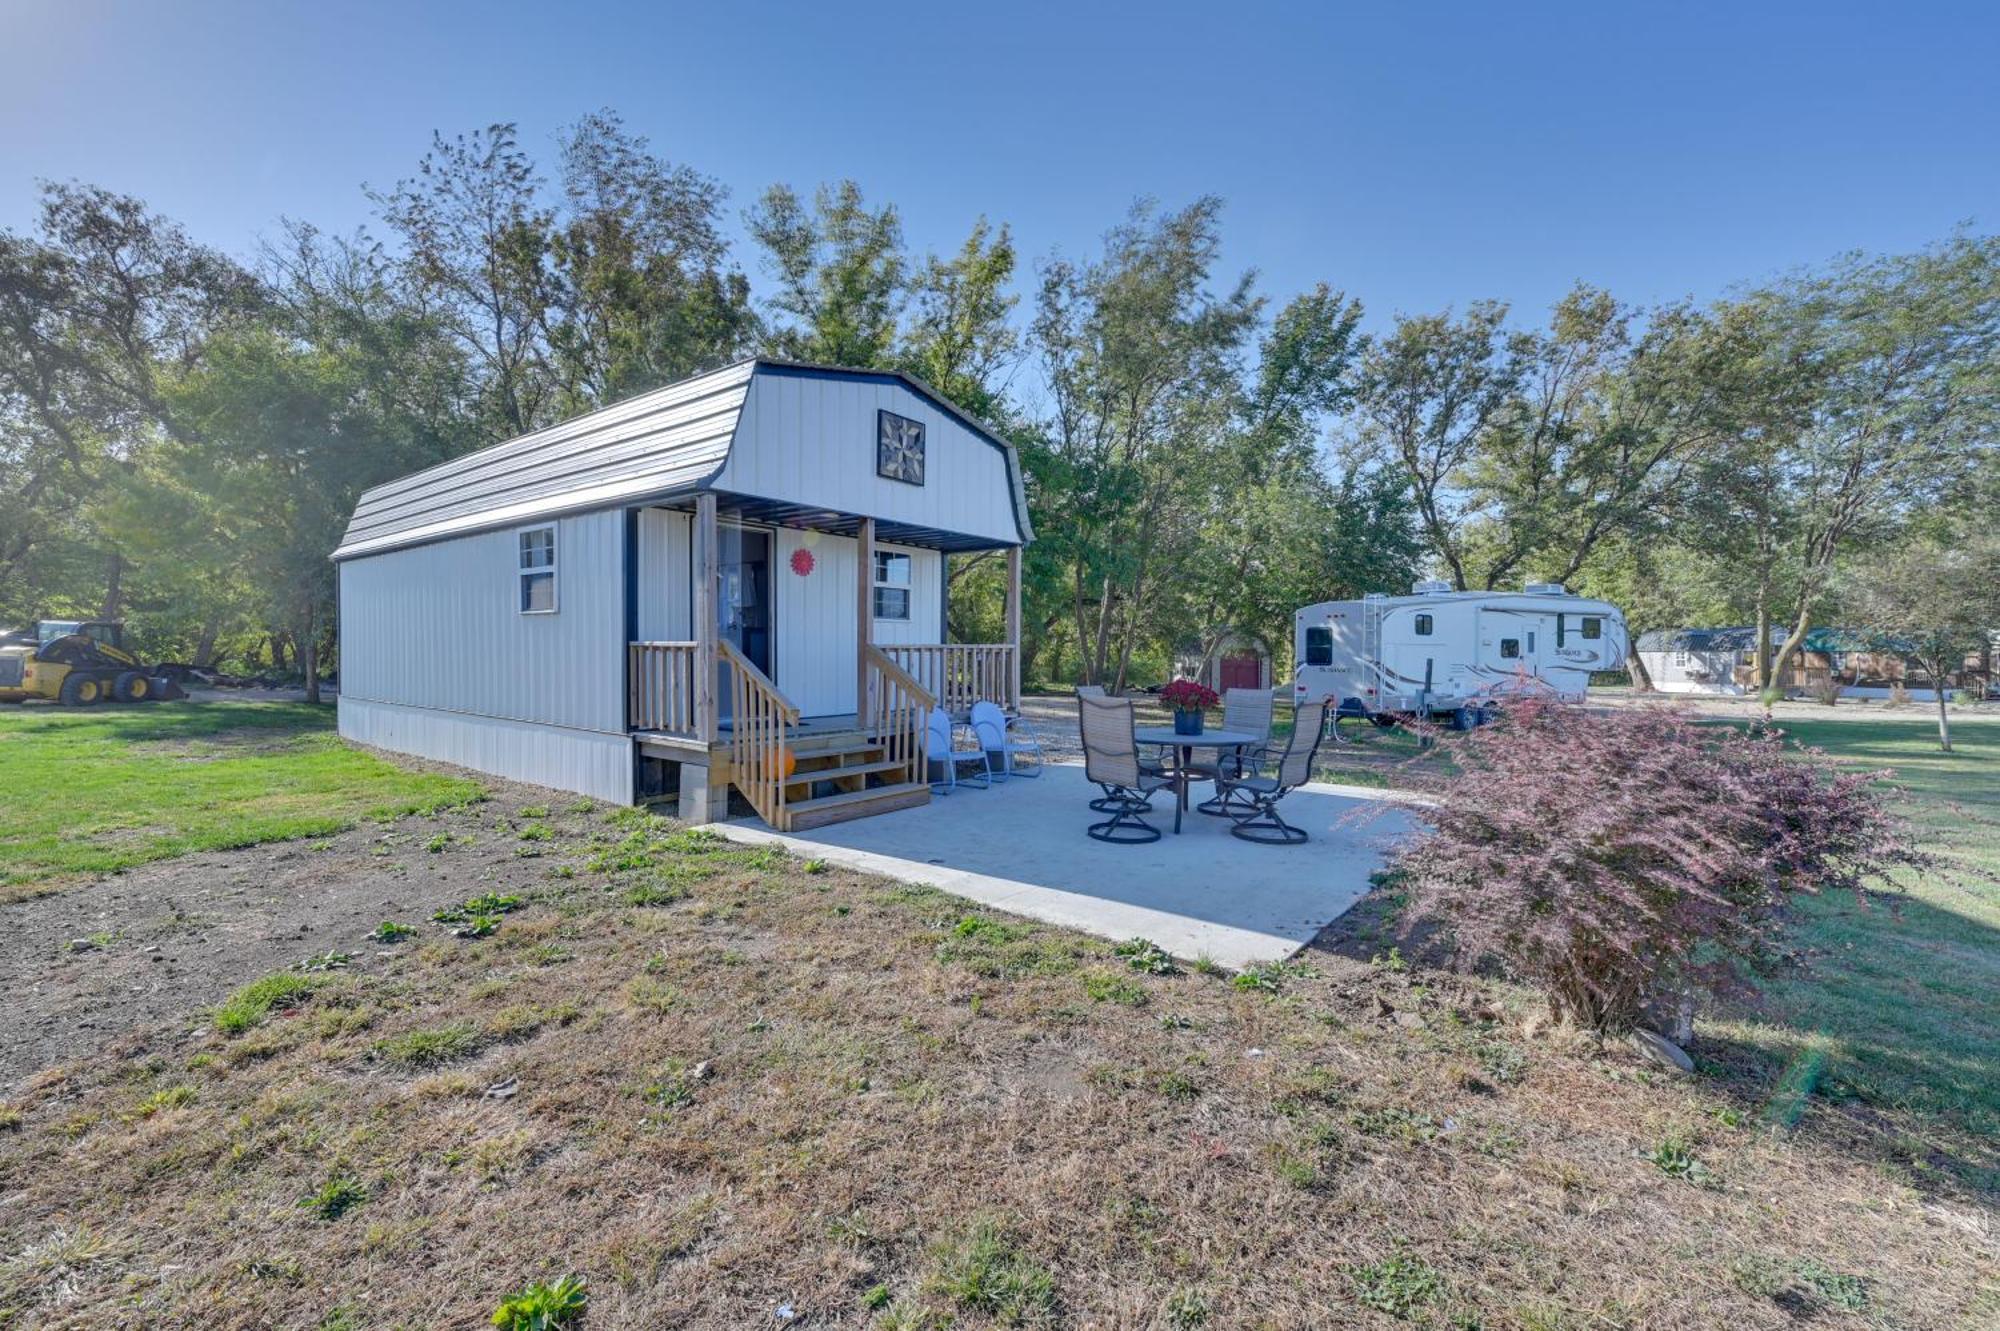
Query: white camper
(1441, 652)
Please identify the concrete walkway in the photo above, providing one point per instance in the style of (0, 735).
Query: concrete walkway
(1020, 847)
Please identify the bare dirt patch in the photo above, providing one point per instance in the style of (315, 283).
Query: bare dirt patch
(161, 941)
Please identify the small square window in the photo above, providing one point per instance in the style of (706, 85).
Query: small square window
(537, 570)
(1423, 626)
(892, 585)
(1593, 628)
(1319, 646)
(1510, 649)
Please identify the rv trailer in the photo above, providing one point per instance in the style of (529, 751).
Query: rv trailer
(1447, 654)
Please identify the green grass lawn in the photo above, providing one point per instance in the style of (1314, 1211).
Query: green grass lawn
(1899, 1005)
(89, 792)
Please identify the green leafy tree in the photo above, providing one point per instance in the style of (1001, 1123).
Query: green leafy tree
(475, 236)
(840, 272)
(101, 309)
(1935, 599)
(643, 292)
(1903, 359)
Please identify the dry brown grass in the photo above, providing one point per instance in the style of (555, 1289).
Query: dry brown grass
(876, 1106)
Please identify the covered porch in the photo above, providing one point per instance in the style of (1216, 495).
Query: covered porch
(794, 656)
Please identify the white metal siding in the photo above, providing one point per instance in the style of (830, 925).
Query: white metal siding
(816, 618)
(809, 438)
(665, 576)
(438, 626)
(670, 438)
(586, 762)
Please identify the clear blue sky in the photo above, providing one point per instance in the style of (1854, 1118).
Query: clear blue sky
(1417, 155)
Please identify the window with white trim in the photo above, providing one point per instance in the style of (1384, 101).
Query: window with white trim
(1424, 625)
(1510, 649)
(1319, 646)
(892, 585)
(1593, 628)
(537, 554)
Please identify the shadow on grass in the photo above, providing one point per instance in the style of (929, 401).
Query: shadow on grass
(138, 723)
(1896, 998)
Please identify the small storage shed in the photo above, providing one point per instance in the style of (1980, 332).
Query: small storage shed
(734, 582)
(1240, 660)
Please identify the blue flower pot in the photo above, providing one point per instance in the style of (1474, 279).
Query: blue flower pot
(1187, 723)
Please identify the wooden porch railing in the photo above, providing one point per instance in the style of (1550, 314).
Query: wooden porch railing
(661, 686)
(760, 722)
(959, 674)
(897, 712)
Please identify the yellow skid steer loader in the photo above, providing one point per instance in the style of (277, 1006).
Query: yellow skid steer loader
(77, 663)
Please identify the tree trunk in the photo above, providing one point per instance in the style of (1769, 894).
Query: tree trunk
(1642, 681)
(1760, 670)
(1793, 640)
(309, 651)
(204, 647)
(1099, 651)
(1944, 716)
(114, 586)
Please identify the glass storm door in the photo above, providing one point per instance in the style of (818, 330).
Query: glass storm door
(743, 604)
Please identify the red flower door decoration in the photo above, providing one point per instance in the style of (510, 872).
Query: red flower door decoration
(802, 562)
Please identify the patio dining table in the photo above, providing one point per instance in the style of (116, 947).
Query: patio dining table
(1185, 745)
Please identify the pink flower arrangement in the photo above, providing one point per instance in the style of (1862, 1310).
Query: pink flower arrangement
(1188, 695)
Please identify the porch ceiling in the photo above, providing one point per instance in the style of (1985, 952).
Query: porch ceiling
(749, 508)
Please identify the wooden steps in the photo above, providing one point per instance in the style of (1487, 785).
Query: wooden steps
(802, 814)
(864, 780)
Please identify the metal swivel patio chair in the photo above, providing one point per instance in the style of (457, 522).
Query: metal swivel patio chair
(1248, 711)
(1111, 760)
(1150, 766)
(1253, 800)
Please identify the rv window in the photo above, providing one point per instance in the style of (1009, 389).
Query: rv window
(1423, 626)
(892, 585)
(1593, 628)
(1510, 648)
(1531, 642)
(1319, 646)
(538, 570)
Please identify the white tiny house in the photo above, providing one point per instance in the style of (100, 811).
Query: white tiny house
(733, 582)
(1439, 651)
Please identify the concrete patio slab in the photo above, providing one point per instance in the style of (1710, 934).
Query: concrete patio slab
(1020, 847)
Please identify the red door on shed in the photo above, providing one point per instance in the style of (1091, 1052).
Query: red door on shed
(1242, 672)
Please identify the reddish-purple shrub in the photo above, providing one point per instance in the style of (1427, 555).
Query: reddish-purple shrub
(1619, 859)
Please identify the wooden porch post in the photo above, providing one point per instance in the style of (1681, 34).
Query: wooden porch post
(1014, 620)
(864, 611)
(706, 716)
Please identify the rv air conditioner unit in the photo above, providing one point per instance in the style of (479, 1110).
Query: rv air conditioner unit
(1429, 586)
(1544, 589)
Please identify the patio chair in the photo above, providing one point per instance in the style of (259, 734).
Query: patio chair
(1157, 765)
(1253, 800)
(1249, 711)
(1111, 761)
(939, 748)
(991, 728)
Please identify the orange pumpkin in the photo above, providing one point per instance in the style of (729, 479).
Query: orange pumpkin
(789, 761)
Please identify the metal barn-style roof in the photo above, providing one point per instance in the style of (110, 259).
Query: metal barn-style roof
(668, 442)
